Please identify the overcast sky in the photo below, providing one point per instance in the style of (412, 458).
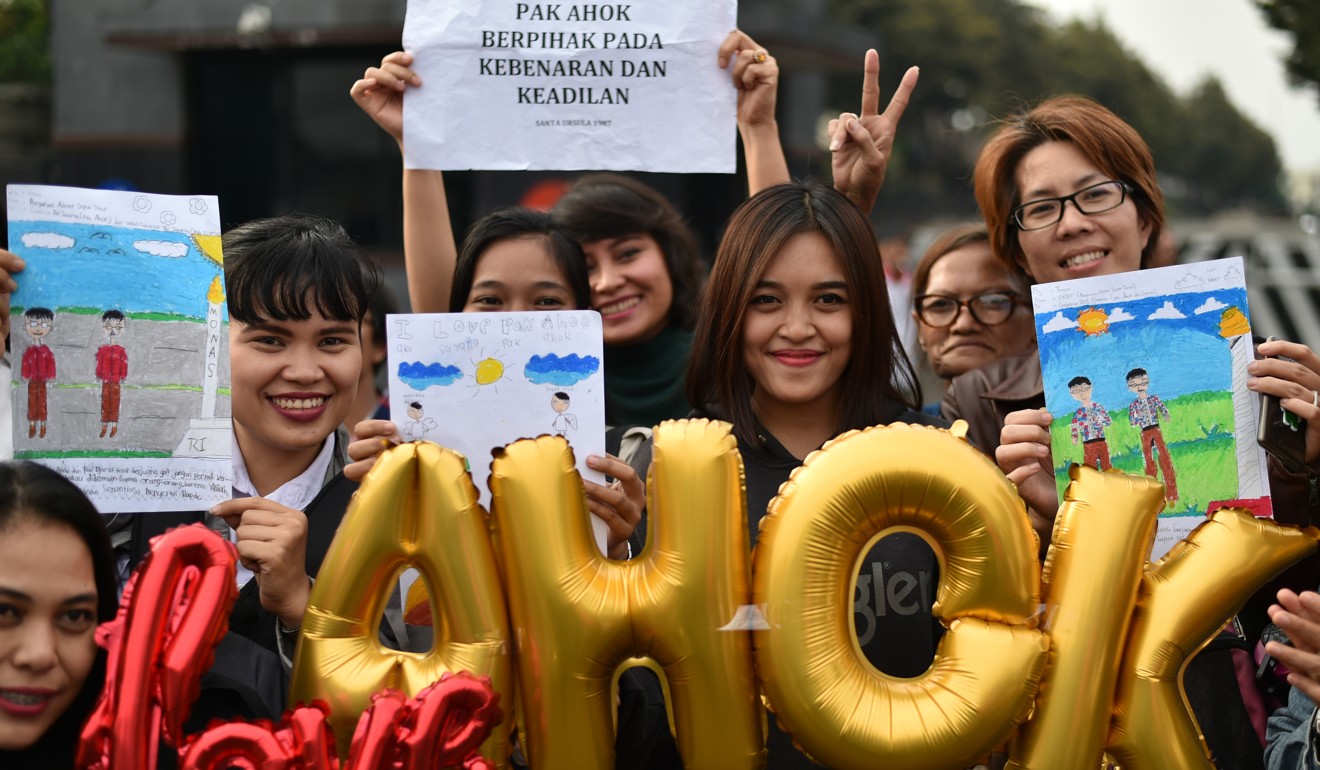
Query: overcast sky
(1184, 40)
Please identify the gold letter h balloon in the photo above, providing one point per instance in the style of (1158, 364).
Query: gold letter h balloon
(1097, 671)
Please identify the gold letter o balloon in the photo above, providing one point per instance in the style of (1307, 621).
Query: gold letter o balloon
(838, 707)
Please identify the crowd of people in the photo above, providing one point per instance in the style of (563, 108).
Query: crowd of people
(787, 333)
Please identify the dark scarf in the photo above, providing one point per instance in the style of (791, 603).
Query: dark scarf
(644, 382)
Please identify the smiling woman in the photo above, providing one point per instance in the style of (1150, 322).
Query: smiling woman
(645, 273)
(799, 288)
(57, 583)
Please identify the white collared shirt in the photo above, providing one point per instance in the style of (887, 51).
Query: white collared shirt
(297, 493)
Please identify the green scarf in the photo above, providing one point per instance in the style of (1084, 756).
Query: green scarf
(644, 383)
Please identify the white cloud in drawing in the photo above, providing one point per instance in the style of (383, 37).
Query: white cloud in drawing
(1119, 315)
(1209, 306)
(161, 248)
(1189, 281)
(1233, 273)
(1058, 323)
(47, 241)
(1167, 312)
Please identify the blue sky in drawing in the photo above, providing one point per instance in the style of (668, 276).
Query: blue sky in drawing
(85, 265)
(1182, 355)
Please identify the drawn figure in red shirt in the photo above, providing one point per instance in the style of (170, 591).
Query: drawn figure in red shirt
(38, 366)
(111, 369)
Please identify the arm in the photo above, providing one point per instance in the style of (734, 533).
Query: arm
(429, 249)
(757, 83)
(862, 144)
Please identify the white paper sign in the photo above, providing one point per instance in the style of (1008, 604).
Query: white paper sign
(551, 86)
(120, 345)
(474, 382)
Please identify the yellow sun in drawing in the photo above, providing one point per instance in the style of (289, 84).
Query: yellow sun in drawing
(1093, 321)
(489, 370)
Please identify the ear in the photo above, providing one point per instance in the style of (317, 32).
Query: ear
(1146, 228)
(378, 354)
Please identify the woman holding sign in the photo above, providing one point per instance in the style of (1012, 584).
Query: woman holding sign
(1069, 190)
(644, 261)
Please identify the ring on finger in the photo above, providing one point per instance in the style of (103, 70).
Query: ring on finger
(760, 55)
(1315, 398)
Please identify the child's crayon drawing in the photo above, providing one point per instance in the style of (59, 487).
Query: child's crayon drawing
(1145, 373)
(474, 382)
(121, 376)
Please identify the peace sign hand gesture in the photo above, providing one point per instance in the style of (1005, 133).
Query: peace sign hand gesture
(862, 144)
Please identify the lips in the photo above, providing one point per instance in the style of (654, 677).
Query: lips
(797, 358)
(619, 306)
(300, 406)
(26, 701)
(1080, 259)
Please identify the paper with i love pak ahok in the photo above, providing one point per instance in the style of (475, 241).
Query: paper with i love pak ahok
(120, 345)
(1146, 373)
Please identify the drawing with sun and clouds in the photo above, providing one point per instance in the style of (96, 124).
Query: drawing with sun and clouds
(1146, 373)
(489, 379)
(121, 376)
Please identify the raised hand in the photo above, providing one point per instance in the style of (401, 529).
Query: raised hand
(863, 143)
(380, 92)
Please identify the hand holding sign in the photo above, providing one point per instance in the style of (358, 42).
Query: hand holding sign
(862, 144)
(380, 92)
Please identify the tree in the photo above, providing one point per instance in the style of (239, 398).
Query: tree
(1301, 18)
(25, 30)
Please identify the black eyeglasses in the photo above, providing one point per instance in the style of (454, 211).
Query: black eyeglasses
(989, 308)
(1043, 212)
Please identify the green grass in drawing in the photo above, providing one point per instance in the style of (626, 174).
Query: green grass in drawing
(1199, 435)
(130, 386)
(84, 453)
(145, 315)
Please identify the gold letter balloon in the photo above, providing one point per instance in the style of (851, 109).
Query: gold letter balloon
(417, 508)
(1097, 669)
(856, 489)
(577, 616)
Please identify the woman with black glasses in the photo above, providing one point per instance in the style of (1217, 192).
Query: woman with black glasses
(970, 308)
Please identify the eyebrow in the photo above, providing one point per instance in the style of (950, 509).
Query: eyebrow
(493, 284)
(19, 595)
(1083, 182)
(832, 284)
(341, 327)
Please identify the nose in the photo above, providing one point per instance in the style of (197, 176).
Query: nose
(964, 322)
(1072, 220)
(36, 647)
(302, 365)
(798, 324)
(608, 277)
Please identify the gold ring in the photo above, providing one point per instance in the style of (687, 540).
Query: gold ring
(760, 56)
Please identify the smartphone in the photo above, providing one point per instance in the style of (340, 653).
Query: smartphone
(1282, 433)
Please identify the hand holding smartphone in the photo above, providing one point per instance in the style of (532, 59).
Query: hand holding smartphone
(1281, 433)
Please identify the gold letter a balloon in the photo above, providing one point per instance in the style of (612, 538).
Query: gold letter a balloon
(417, 507)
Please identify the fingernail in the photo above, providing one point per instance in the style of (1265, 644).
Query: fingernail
(834, 145)
(852, 125)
